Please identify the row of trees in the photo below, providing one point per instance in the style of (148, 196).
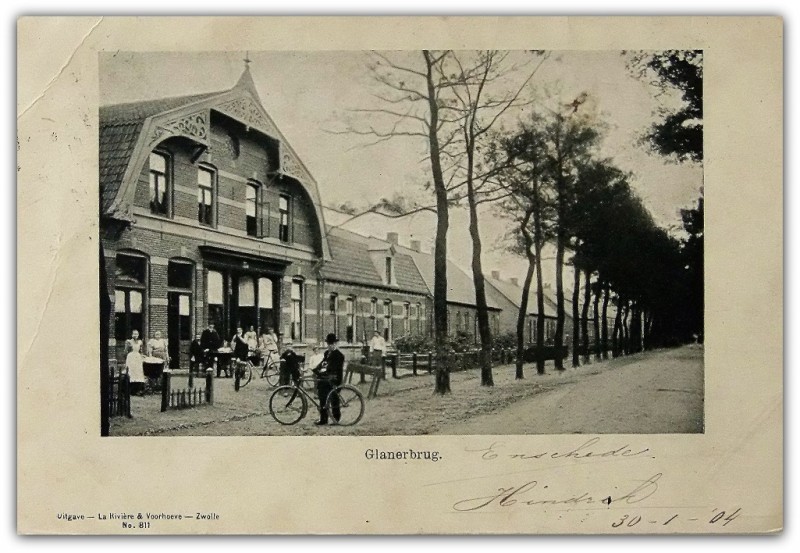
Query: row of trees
(544, 173)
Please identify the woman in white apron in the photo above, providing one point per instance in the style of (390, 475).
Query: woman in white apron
(134, 363)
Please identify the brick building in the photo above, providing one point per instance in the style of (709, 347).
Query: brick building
(207, 214)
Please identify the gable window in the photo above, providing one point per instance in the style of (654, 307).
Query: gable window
(159, 184)
(252, 208)
(387, 320)
(283, 208)
(205, 196)
(389, 270)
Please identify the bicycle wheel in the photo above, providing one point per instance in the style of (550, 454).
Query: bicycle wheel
(272, 374)
(290, 408)
(245, 375)
(350, 404)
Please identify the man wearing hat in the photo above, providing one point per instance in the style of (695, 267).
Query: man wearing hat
(330, 373)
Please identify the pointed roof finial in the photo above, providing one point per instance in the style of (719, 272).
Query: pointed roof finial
(247, 59)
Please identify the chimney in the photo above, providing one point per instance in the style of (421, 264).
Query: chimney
(392, 238)
(514, 281)
(415, 245)
(496, 275)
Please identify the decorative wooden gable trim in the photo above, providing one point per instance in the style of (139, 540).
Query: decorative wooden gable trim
(194, 125)
(246, 110)
(291, 166)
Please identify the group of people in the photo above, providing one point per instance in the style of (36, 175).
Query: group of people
(328, 366)
(157, 347)
(206, 347)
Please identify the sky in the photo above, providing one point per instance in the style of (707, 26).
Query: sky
(310, 94)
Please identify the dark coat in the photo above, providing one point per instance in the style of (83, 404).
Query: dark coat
(210, 340)
(240, 347)
(333, 363)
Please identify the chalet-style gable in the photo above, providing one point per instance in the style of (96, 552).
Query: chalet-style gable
(130, 132)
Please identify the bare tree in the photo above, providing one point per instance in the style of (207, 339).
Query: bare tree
(409, 94)
(484, 86)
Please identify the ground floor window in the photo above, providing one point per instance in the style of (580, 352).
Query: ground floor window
(297, 310)
(128, 313)
(350, 313)
(215, 299)
(387, 320)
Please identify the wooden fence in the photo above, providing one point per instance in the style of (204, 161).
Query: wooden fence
(119, 395)
(188, 397)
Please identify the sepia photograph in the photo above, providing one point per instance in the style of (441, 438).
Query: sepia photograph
(424, 275)
(401, 242)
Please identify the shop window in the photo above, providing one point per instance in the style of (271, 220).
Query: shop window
(297, 310)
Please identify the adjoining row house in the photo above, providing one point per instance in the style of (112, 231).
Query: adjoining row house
(208, 215)
(512, 291)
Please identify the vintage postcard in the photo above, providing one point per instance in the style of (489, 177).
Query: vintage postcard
(448, 273)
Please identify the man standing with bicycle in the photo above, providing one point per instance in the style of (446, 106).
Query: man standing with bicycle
(330, 374)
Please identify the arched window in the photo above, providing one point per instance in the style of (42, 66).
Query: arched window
(130, 285)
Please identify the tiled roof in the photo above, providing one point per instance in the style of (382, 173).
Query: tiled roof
(513, 293)
(139, 111)
(120, 126)
(351, 262)
(460, 287)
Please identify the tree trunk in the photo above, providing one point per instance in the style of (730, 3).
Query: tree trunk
(587, 298)
(626, 334)
(597, 350)
(540, 319)
(442, 385)
(523, 315)
(477, 275)
(559, 337)
(526, 287)
(576, 320)
(604, 329)
(616, 336)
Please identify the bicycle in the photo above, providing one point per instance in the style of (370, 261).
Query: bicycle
(245, 370)
(289, 403)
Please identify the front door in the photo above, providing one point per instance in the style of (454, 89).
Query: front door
(179, 328)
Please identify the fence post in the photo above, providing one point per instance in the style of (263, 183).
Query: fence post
(165, 383)
(414, 363)
(394, 366)
(210, 386)
(126, 382)
(430, 362)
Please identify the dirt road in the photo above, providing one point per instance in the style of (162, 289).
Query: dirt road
(656, 393)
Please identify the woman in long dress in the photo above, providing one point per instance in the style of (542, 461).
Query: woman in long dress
(134, 363)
